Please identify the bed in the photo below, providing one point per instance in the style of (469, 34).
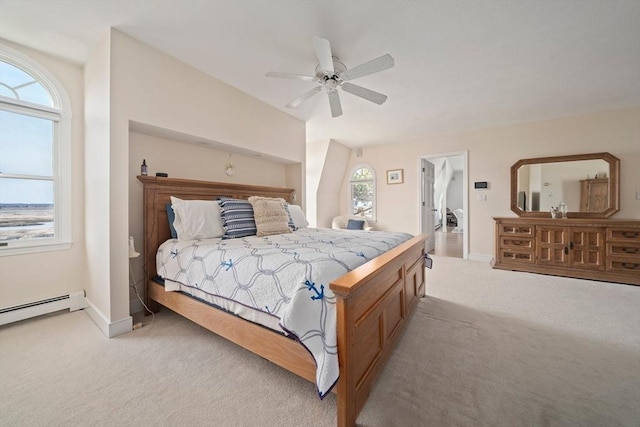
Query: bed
(373, 301)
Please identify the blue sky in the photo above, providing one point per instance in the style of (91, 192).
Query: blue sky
(25, 141)
(25, 148)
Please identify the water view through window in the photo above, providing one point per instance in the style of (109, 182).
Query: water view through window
(19, 222)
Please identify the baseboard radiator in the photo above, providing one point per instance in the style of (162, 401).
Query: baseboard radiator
(73, 301)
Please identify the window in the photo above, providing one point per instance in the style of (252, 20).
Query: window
(34, 157)
(363, 192)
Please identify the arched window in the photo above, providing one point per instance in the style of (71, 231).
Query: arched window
(363, 192)
(35, 152)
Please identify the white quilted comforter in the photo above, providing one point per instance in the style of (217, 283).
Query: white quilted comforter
(286, 276)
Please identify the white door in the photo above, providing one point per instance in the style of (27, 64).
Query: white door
(428, 208)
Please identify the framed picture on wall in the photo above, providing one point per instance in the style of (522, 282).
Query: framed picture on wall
(395, 176)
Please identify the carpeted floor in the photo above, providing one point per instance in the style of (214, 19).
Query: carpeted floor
(486, 348)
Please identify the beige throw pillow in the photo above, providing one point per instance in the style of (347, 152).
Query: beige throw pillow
(270, 214)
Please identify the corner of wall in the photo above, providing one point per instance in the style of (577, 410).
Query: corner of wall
(109, 329)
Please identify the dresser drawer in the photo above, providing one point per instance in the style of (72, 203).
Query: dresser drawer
(520, 257)
(623, 265)
(523, 230)
(623, 249)
(516, 242)
(621, 234)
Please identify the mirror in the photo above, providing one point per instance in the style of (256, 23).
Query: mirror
(588, 184)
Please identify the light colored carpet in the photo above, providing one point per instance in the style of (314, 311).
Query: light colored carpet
(486, 348)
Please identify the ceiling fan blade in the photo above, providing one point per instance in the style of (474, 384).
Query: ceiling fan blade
(299, 100)
(375, 65)
(323, 52)
(334, 103)
(365, 93)
(290, 76)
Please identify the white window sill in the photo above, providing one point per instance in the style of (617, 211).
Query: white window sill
(31, 249)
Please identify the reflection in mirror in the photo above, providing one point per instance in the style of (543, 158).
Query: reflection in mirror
(542, 186)
(583, 186)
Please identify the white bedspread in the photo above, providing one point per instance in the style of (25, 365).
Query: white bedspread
(286, 276)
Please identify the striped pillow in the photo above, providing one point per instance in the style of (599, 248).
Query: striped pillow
(291, 224)
(237, 218)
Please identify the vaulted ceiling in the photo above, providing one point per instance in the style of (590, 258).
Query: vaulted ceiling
(459, 65)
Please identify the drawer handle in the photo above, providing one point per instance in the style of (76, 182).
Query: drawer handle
(630, 250)
(516, 242)
(629, 265)
(630, 234)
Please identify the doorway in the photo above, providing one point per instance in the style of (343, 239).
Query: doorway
(449, 187)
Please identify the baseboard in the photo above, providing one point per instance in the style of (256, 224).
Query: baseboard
(73, 301)
(481, 258)
(109, 329)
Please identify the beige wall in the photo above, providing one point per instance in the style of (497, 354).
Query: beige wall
(146, 86)
(33, 277)
(491, 153)
(96, 165)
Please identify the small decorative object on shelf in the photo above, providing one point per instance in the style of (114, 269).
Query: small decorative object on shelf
(562, 207)
(555, 212)
(143, 168)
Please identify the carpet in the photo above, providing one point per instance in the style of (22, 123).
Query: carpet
(485, 348)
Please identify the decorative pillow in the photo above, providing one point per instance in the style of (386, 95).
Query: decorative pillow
(270, 215)
(237, 218)
(171, 216)
(298, 217)
(355, 224)
(196, 219)
(291, 224)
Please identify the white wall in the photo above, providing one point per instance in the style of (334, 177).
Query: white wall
(454, 192)
(38, 276)
(492, 152)
(331, 178)
(315, 162)
(146, 86)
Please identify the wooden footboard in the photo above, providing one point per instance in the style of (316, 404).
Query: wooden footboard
(373, 305)
(373, 301)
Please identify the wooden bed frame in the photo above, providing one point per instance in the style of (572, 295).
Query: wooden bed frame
(373, 301)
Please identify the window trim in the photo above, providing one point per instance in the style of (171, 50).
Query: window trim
(374, 213)
(61, 116)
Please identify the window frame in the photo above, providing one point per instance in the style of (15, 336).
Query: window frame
(60, 115)
(353, 170)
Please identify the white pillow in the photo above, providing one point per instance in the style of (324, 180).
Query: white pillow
(197, 219)
(299, 219)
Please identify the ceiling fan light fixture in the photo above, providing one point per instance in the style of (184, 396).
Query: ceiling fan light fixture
(330, 73)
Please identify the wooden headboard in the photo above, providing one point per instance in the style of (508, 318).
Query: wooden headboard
(158, 192)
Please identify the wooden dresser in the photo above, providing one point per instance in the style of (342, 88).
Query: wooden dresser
(599, 249)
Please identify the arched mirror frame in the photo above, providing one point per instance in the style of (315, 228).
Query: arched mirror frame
(614, 184)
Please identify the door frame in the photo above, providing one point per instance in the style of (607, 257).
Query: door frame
(465, 193)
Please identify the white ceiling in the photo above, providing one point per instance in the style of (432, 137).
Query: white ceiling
(460, 65)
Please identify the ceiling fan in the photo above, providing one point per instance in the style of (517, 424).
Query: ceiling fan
(332, 74)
